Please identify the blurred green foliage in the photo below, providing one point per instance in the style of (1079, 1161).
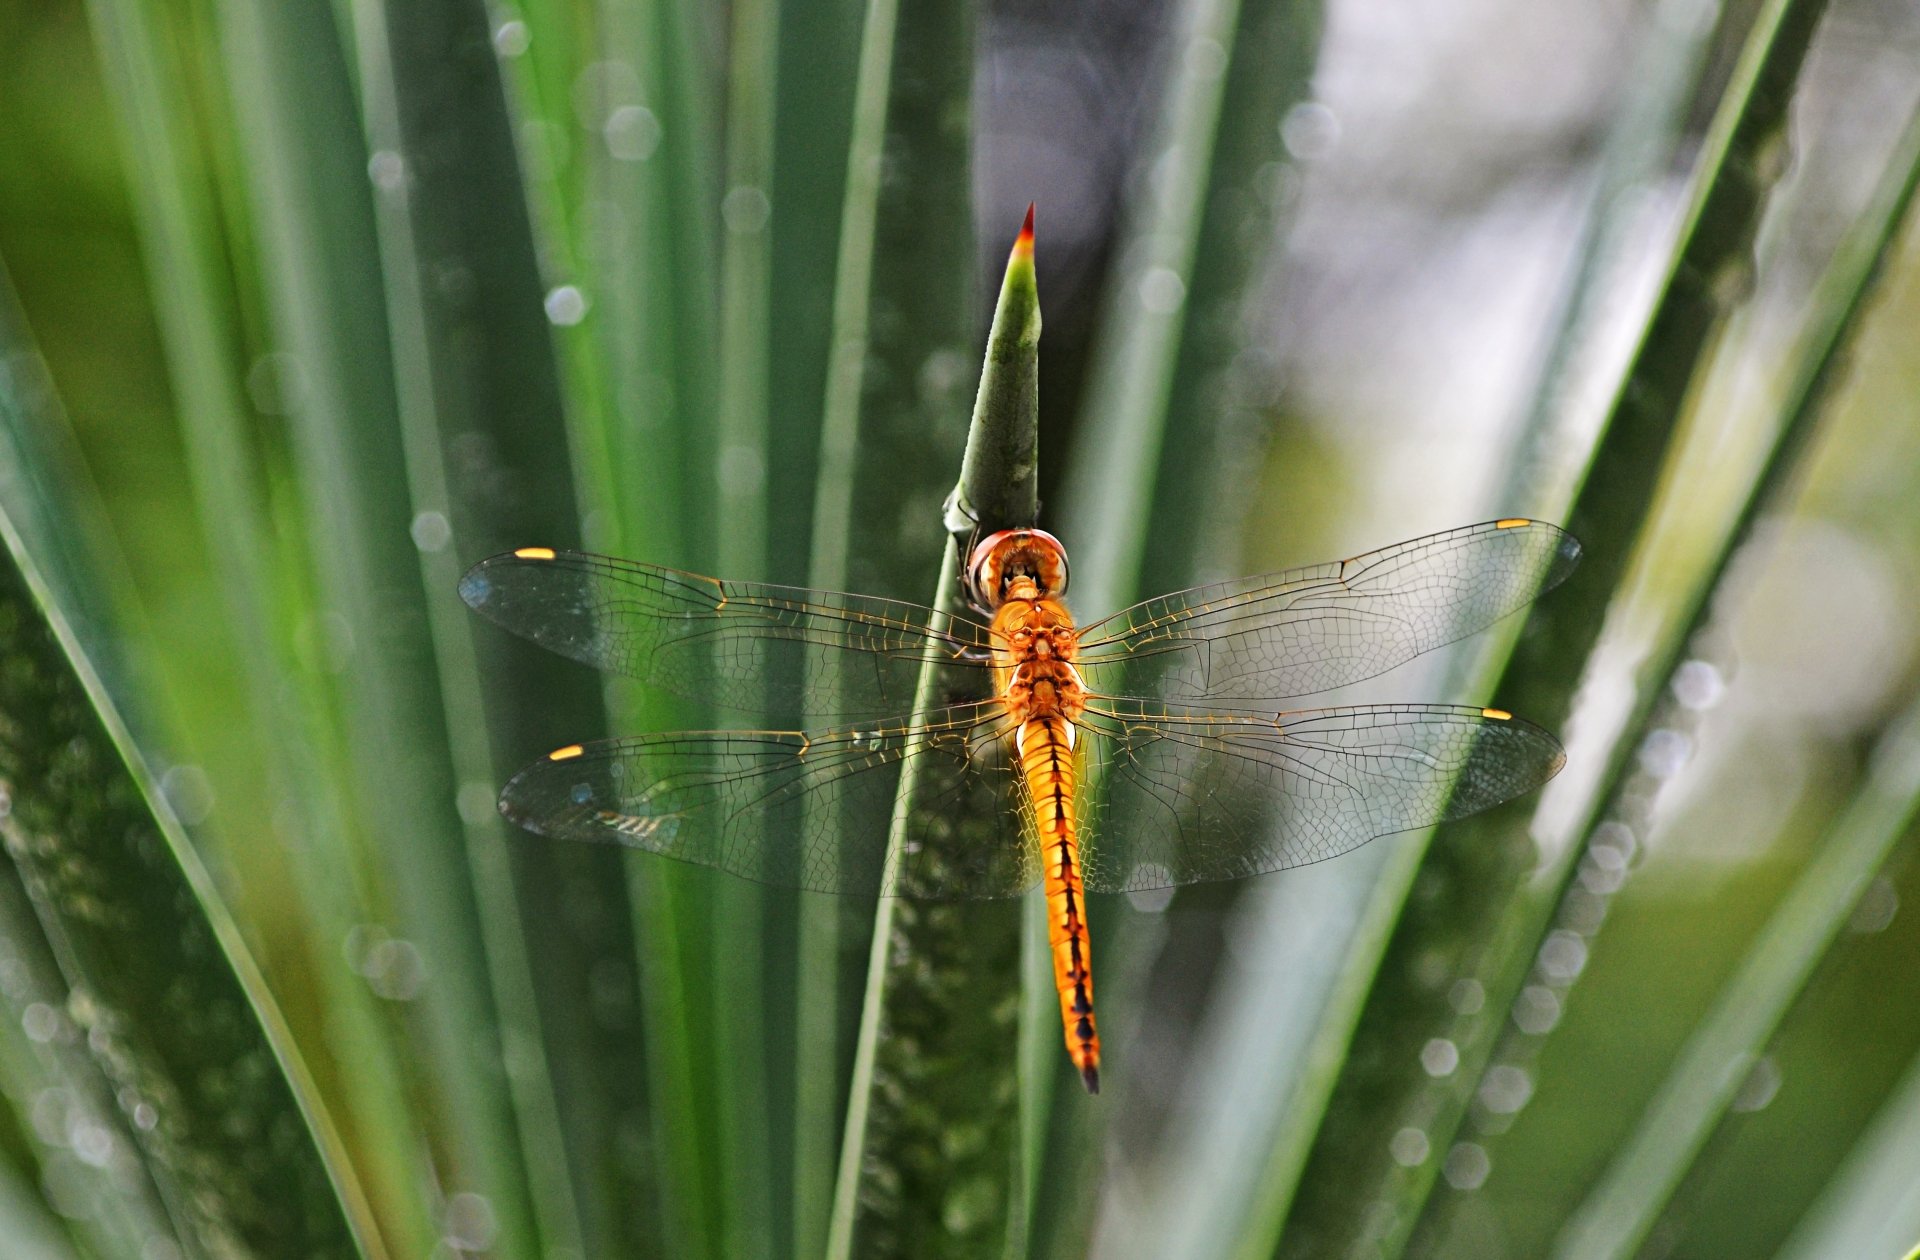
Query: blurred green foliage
(309, 305)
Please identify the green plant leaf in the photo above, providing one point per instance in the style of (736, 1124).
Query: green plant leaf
(891, 424)
(1627, 1201)
(202, 321)
(1175, 410)
(174, 1013)
(327, 285)
(931, 1153)
(1472, 929)
(741, 909)
(1842, 300)
(819, 974)
(1872, 1206)
(480, 391)
(108, 1214)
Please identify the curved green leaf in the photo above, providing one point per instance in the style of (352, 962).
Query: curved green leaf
(172, 1008)
(931, 1153)
(1842, 300)
(326, 280)
(891, 424)
(1616, 1216)
(1872, 1208)
(1157, 493)
(201, 320)
(1473, 929)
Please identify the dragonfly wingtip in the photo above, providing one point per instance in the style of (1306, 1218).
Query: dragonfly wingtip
(1090, 1076)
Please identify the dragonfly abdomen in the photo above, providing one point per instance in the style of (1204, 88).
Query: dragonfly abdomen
(1046, 748)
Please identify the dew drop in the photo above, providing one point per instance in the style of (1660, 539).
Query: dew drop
(631, 133)
(40, 1022)
(1467, 1166)
(1537, 1010)
(1505, 1089)
(468, 1223)
(1206, 59)
(1466, 997)
(566, 306)
(189, 792)
(745, 210)
(430, 531)
(1440, 1057)
(1162, 291)
(1310, 131)
(511, 38)
(387, 170)
(1409, 1148)
(475, 801)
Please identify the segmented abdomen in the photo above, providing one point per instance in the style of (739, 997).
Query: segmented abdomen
(1047, 763)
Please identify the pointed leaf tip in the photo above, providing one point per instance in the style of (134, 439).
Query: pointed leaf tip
(1023, 244)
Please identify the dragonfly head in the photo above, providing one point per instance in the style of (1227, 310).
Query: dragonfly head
(998, 559)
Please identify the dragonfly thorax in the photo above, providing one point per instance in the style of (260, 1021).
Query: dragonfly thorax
(1034, 643)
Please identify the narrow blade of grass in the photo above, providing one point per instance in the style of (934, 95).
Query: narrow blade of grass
(811, 1046)
(743, 910)
(1841, 301)
(326, 283)
(1616, 1216)
(201, 324)
(108, 1211)
(931, 1154)
(1159, 486)
(481, 407)
(577, 121)
(160, 986)
(1483, 860)
(1872, 1206)
(901, 329)
(651, 187)
(1636, 155)
(1114, 468)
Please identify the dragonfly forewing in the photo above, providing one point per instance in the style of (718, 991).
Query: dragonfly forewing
(748, 646)
(1305, 631)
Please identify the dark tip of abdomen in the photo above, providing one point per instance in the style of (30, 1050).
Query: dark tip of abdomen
(1091, 1076)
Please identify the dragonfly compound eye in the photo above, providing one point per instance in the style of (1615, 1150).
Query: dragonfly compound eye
(1000, 558)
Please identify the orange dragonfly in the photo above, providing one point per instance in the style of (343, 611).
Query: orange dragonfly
(1148, 750)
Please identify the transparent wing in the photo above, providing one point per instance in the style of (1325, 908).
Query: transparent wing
(748, 646)
(1191, 798)
(1309, 630)
(809, 811)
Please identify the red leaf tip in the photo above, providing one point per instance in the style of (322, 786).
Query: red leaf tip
(1023, 244)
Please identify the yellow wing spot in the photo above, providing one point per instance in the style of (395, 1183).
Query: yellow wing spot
(1498, 715)
(565, 754)
(534, 553)
(1513, 522)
